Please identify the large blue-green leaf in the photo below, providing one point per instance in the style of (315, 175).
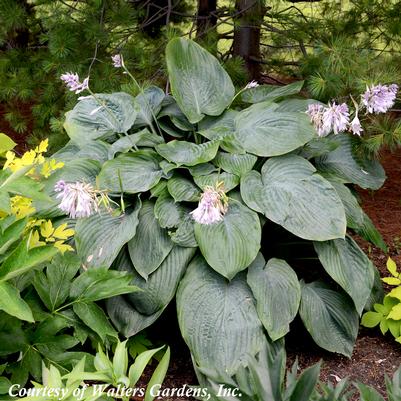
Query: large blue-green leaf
(357, 219)
(292, 194)
(199, 83)
(263, 131)
(330, 318)
(218, 319)
(271, 92)
(148, 105)
(182, 189)
(100, 117)
(185, 153)
(348, 265)
(100, 237)
(342, 164)
(95, 150)
(151, 244)
(131, 172)
(132, 313)
(276, 289)
(230, 245)
(238, 164)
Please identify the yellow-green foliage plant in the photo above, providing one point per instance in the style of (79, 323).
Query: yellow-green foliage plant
(388, 314)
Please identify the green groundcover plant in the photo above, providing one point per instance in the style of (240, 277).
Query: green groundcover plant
(235, 203)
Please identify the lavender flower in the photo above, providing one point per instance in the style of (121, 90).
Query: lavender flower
(117, 60)
(252, 84)
(355, 126)
(212, 206)
(379, 98)
(73, 83)
(315, 112)
(77, 199)
(335, 118)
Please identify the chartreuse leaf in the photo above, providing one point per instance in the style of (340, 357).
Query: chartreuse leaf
(151, 244)
(329, 317)
(6, 143)
(230, 245)
(101, 236)
(185, 153)
(12, 303)
(158, 375)
(23, 259)
(371, 319)
(199, 83)
(290, 193)
(392, 267)
(271, 92)
(395, 313)
(120, 359)
(276, 289)
(348, 265)
(100, 117)
(217, 318)
(263, 131)
(342, 164)
(141, 361)
(131, 172)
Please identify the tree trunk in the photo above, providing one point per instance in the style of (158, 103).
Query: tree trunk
(206, 18)
(247, 25)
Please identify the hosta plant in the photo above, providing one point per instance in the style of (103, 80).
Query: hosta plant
(240, 200)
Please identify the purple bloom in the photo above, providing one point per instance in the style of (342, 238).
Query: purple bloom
(211, 208)
(355, 126)
(315, 112)
(379, 98)
(335, 118)
(252, 84)
(117, 60)
(73, 83)
(77, 199)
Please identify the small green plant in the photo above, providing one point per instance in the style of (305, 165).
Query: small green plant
(387, 314)
(109, 380)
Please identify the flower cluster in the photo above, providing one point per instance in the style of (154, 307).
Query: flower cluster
(336, 117)
(77, 199)
(212, 206)
(73, 83)
(379, 98)
(117, 60)
(252, 84)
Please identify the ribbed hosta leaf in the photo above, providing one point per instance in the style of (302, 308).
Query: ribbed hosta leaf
(217, 318)
(199, 83)
(81, 170)
(151, 244)
(237, 164)
(169, 213)
(132, 314)
(185, 235)
(276, 289)
(271, 92)
(185, 153)
(357, 219)
(348, 265)
(128, 142)
(292, 194)
(182, 189)
(95, 150)
(131, 172)
(263, 131)
(100, 237)
(330, 318)
(300, 105)
(342, 164)
(229, 180)
(100, 118)
(230, 245)
(148, 105)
